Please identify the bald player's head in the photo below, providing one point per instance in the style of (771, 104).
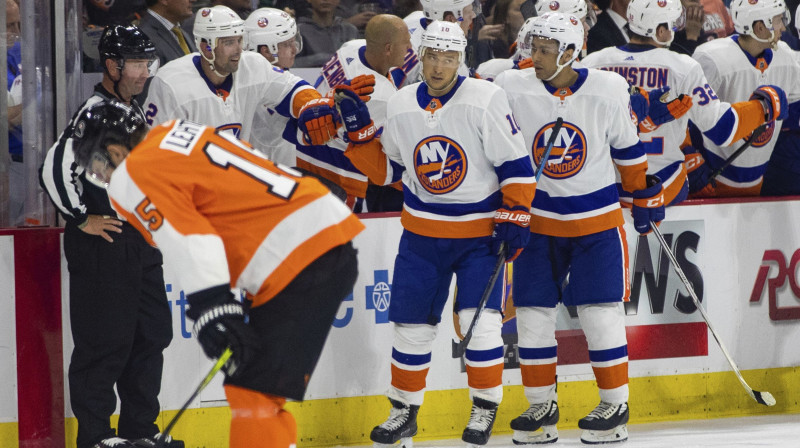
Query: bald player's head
(388, 40)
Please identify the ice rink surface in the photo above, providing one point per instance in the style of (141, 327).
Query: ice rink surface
(762, 431)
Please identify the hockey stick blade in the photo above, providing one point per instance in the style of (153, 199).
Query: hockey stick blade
(551, 141)
(459, 348)
(764, 398)
(226, 355)
(756, 133)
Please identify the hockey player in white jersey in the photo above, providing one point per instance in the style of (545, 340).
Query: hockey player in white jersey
(519, 60)
(751, 64)
(647, 63)
(222, 86)
(576, 221)
(380, 55)
(458, 150)
(272, 33)
(462, 12)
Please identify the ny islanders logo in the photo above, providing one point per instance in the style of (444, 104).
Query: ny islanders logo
(568, 154)
(440, 164)
(764, 138)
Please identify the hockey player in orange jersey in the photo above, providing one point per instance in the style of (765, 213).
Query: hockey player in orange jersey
(226, 217)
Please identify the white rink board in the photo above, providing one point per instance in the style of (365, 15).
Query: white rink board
(731, 241)
(8, 333)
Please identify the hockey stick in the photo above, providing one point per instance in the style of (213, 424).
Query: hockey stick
(460, 347)
(756, 133)
(162, 441)
(764, 398)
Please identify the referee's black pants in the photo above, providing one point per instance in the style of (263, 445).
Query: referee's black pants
(121, 323)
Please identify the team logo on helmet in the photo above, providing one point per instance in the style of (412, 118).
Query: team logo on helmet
(205, 12)
(440, 164)
(568, 154)
(554, 6)
(752, 2)
(573, 20)
(662, 3)
(262, 22)
(80, 128)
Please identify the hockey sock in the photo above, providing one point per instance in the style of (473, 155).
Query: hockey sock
(536, 327)
(484, 355)
(258, 420)
(604, 327)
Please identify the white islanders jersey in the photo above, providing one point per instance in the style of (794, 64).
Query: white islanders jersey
(329, 161)
(493, 67)
(651, 68)
(734, 74)
(577, 193)
(180, 90)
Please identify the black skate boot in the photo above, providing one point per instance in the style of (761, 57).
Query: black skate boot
(539, 415)
(480, 423)
(157, 442)
(607, 423)
(400, 426)
(114, 442)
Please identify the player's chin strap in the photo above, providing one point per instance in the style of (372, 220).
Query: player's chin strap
(211, 61)
(120, 66)
(559, 66)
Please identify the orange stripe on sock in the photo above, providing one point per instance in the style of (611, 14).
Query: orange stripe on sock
(408, 380)
(538, 375)
(258, 420)
(611, 377)
(485, 377)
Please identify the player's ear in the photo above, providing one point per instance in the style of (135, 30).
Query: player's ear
(567, 56)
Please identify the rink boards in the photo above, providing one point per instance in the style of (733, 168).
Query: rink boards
(741, 258)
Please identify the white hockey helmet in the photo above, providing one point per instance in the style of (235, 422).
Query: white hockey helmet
(215, 22)
(746, 12)
(644, 17)
(566, 29)
(577, 8)
(270, 26)
(443, 36)
(436, 9)
(523, 44)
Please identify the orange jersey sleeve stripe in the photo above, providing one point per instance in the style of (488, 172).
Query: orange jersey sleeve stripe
(518, 195)
(408, 380)
(370, 159)
(301, 97)
(633, 176)
(485, 377)
(538, 375)
(578, 227)
(353, 187)
(611, 377)
(446, 229)
(751, 116)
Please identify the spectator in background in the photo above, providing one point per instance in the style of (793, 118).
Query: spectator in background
(403, 8)
(242, 8)
(718, 22)
(506, 13)
(611, 29)
(690, 33)
(103, 12)
(162, 24)
(16, 176)
(323, 33)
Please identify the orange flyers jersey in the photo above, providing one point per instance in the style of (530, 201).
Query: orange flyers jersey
(221, 213)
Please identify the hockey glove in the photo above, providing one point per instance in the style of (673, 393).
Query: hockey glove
(317, 120)
(648, 205)
(640, 104)
(523, 64)
(363, 85)
(699, 173)
(355, 115)
(511, 226)
(774, 101)
(219, 323)
(659, 110)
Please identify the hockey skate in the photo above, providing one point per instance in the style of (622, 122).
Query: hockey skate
(400, 427)
(114, 442)
(542, 416)
(607, 423)
(481, 421)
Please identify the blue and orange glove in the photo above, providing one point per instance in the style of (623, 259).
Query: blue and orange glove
(318, 121)
(511, 226)
(773, 98)
(355, 115)
(363, 85)
(522, 64)
(699, 173)
(659, 110)
(648, 205)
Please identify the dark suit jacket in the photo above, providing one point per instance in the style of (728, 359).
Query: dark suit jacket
(604, 33)
(167, 47)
